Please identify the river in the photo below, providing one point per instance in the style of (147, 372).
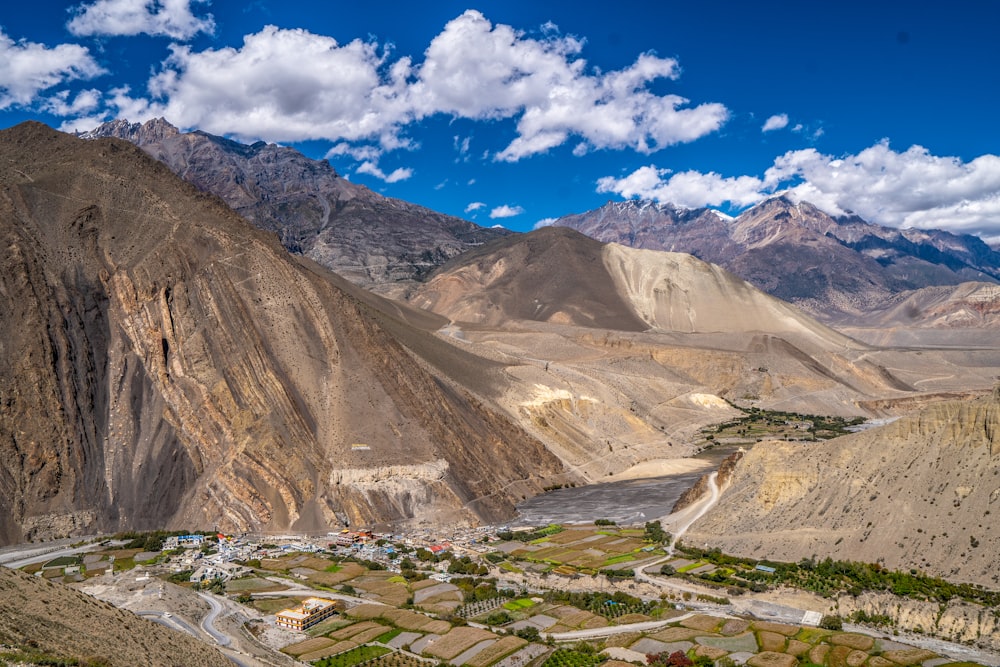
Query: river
(624, 502)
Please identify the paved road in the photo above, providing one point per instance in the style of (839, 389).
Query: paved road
(16, 560)
(165, 618)
(208, 623)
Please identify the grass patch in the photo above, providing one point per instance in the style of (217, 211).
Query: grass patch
(692, 566)
(388, 636)
(519, 605)
(62, 561)
(623, 558)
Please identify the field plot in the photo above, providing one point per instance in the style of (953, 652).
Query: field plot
(252, 585)
(500, 649)
(308, 646)
(354, 656)
(457, 641)
(335, 574)
(588, 549)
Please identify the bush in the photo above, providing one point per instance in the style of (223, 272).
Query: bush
(832, 622)
(529, 633)
(498, 618)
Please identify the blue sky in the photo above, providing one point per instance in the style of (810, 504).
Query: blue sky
(515, 113)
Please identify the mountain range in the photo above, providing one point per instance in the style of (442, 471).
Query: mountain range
(371, 240)
(165, 364)
(838, 269)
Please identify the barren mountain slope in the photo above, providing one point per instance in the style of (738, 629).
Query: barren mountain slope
(618, 356)
(38, 615)
(679, 292)
(921, 492)
(369, 239)
(550, 275)
(835, 268)
(162, 363)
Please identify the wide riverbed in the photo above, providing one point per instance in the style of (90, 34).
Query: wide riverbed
(624, 502)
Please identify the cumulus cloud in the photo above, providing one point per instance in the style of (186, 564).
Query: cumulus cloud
(473, 69)
(262, 90)
(506, 211)
(912, 188)
(775, 122)
(474, 206)
(544, 222)
(902, 189)
(689, 189)
(372, 169)
(29, 68)
(166, 18)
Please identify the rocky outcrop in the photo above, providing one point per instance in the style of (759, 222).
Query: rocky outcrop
(723, 476)
(369, 239)
(162, 363)
(919, 493)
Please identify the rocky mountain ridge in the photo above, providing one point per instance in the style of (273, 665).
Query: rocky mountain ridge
(371, 240)
(163, 363)
(835, 268)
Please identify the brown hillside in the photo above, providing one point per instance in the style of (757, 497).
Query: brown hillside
(921, 493)
(164, 363)
(38, 615)
(552, 275)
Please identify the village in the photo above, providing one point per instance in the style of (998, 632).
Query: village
(485, 597)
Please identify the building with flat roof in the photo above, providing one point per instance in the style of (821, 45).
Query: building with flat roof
(306, 615)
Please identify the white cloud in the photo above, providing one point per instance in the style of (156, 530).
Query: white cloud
(263, 90)
(372, 169)
(544, 222)
(506, 211)
(473, 70)
(462, 148)
(912, 188)
(901, 189)
(689, 189)
(775, 122)
(361, 153)
(167, 18)
(85, 101)
(474, 206)
(28, 68)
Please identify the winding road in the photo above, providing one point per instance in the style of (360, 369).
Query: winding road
(208, 623)
(678, 524)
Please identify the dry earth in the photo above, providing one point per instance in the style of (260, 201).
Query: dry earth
(920, 492)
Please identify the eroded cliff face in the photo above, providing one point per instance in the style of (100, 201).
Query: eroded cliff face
(922, 492)
(955, 620)
(163, 363)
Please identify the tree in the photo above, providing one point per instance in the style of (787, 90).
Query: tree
(675, 659)
(832, 622)
(529, 633)
(655, 532)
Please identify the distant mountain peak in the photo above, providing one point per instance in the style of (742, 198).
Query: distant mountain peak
(371, 240)
(834, 267)
(140, 134)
